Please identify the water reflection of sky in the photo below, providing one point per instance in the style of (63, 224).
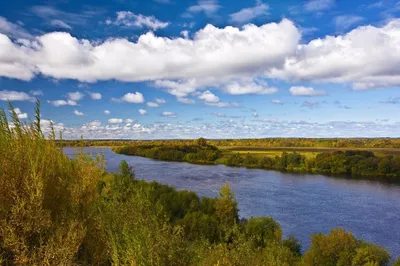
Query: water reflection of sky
(302, 204)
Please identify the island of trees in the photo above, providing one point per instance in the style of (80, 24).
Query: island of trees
(60, 211)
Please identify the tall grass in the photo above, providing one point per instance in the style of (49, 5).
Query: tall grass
(46, 199)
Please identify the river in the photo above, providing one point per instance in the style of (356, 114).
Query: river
(302, 204)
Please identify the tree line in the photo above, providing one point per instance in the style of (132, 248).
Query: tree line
(60, 211)
(363, 143)
(350, 163)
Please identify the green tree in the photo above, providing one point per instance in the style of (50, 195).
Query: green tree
(201, 142)
(263, 230)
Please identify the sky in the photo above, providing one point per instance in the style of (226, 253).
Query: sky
(173, 69)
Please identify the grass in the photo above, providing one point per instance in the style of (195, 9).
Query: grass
(309, 152)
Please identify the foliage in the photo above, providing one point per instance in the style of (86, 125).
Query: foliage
(344, 163)
(342, 248)
(337, 143)
(60, 211)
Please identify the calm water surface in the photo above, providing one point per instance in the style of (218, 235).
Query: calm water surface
(302, 204)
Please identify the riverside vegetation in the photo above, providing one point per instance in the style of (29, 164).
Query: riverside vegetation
(60, 211)
(353, 163)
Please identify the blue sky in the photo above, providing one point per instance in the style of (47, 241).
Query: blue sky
(162, 69)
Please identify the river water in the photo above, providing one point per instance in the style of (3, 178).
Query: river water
(302, 204)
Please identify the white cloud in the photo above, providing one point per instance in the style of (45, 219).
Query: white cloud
(160, 101)
(213, 58)
(76, 112)
(310, 104)
(49, 13)
(344, 22)
(95, 95)
(95, 123)
(142, 111)
(60, 24)
(248, 87)
(318, 5)
(255, 114)
(169, 114)
(129, 120)
(306, 91)
(130, 97)
(209, 7)
(6, 95)
(350, 58)
(107, 112)
(185, 34)
(209, 97)
(20, 114)
(129, 19)
(218, 104)
(152, 104)
(213, 55)
(115, 120)
(250, 13)
(58, 103)
(232, 128)
(277, 102)
(75, 96)
(185, 100)
(36, 92)
(13, 30)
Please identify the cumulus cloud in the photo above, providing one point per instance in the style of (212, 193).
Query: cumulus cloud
(72, 99)
(250, 13)
(246, 86)
(160, 101)
(75, 96)
(129, 19)
(168, 114)
(107, 112)
(142, 111)
(58, 103)
(130, 97)
(6, 95)
(115, 120)
(20, 114)
(232, 128)
(76, 112)
(95, 123)
(129, 120)
(209, 97)
(213, 57)
(350, 58)
(95, 95)
(152, 104)
(305, 91)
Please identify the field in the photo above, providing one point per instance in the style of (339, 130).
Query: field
(308, 152)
